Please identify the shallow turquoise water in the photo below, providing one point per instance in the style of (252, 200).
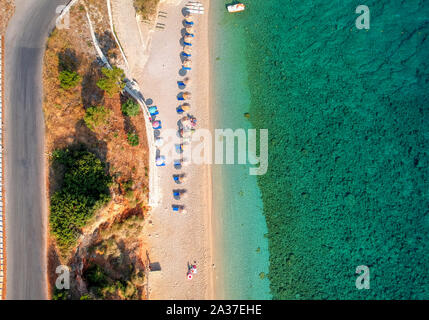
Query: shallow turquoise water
(347, 111)
(239, 222)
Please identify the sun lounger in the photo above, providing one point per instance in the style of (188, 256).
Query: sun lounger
(186, 54)
(152, 109)
(180, 110)
(187, 43)
(160, 161)
(178, 208)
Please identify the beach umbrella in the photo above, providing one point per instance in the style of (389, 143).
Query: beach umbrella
(187, 51)
(187, 64)
(188, 39)
(189, 18)
(186, 107)
(187, 80)
(187, 95)
(189, 276)
(156, 124)
(190, 30)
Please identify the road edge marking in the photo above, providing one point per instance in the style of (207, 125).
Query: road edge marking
(2, 192)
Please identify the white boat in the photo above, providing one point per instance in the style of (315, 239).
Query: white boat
(236, 7)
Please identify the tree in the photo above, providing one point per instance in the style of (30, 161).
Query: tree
(113, 80)
(133, 139)
(130, 108)
(68, 79)
(96, 116)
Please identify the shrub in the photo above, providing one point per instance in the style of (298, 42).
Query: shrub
(96, 116)
(68, 79)
(133, 139)
(85, 188)
(128, 185)
(60, 295)
(146, 8)
(130, 108)
(96, 277)
(113, 80)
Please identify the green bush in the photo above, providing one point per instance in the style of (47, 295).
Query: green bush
(68, 79)
(130, 108)
(96, 116)
(113, 80)
(96, 277)
(60, 295)
(84, 189)
(133, 139)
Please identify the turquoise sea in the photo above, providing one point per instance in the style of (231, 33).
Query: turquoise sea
(348, 179)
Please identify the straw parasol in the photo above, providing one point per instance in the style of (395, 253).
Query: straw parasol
(188, 39)
(186, 81)
(187, 95)
(187, 64)
(186, 107)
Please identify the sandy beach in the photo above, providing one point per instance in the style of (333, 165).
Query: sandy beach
(176, 240)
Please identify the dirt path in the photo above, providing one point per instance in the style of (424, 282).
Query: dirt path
(127, 30)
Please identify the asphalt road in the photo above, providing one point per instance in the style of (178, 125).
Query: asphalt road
(25, 189)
